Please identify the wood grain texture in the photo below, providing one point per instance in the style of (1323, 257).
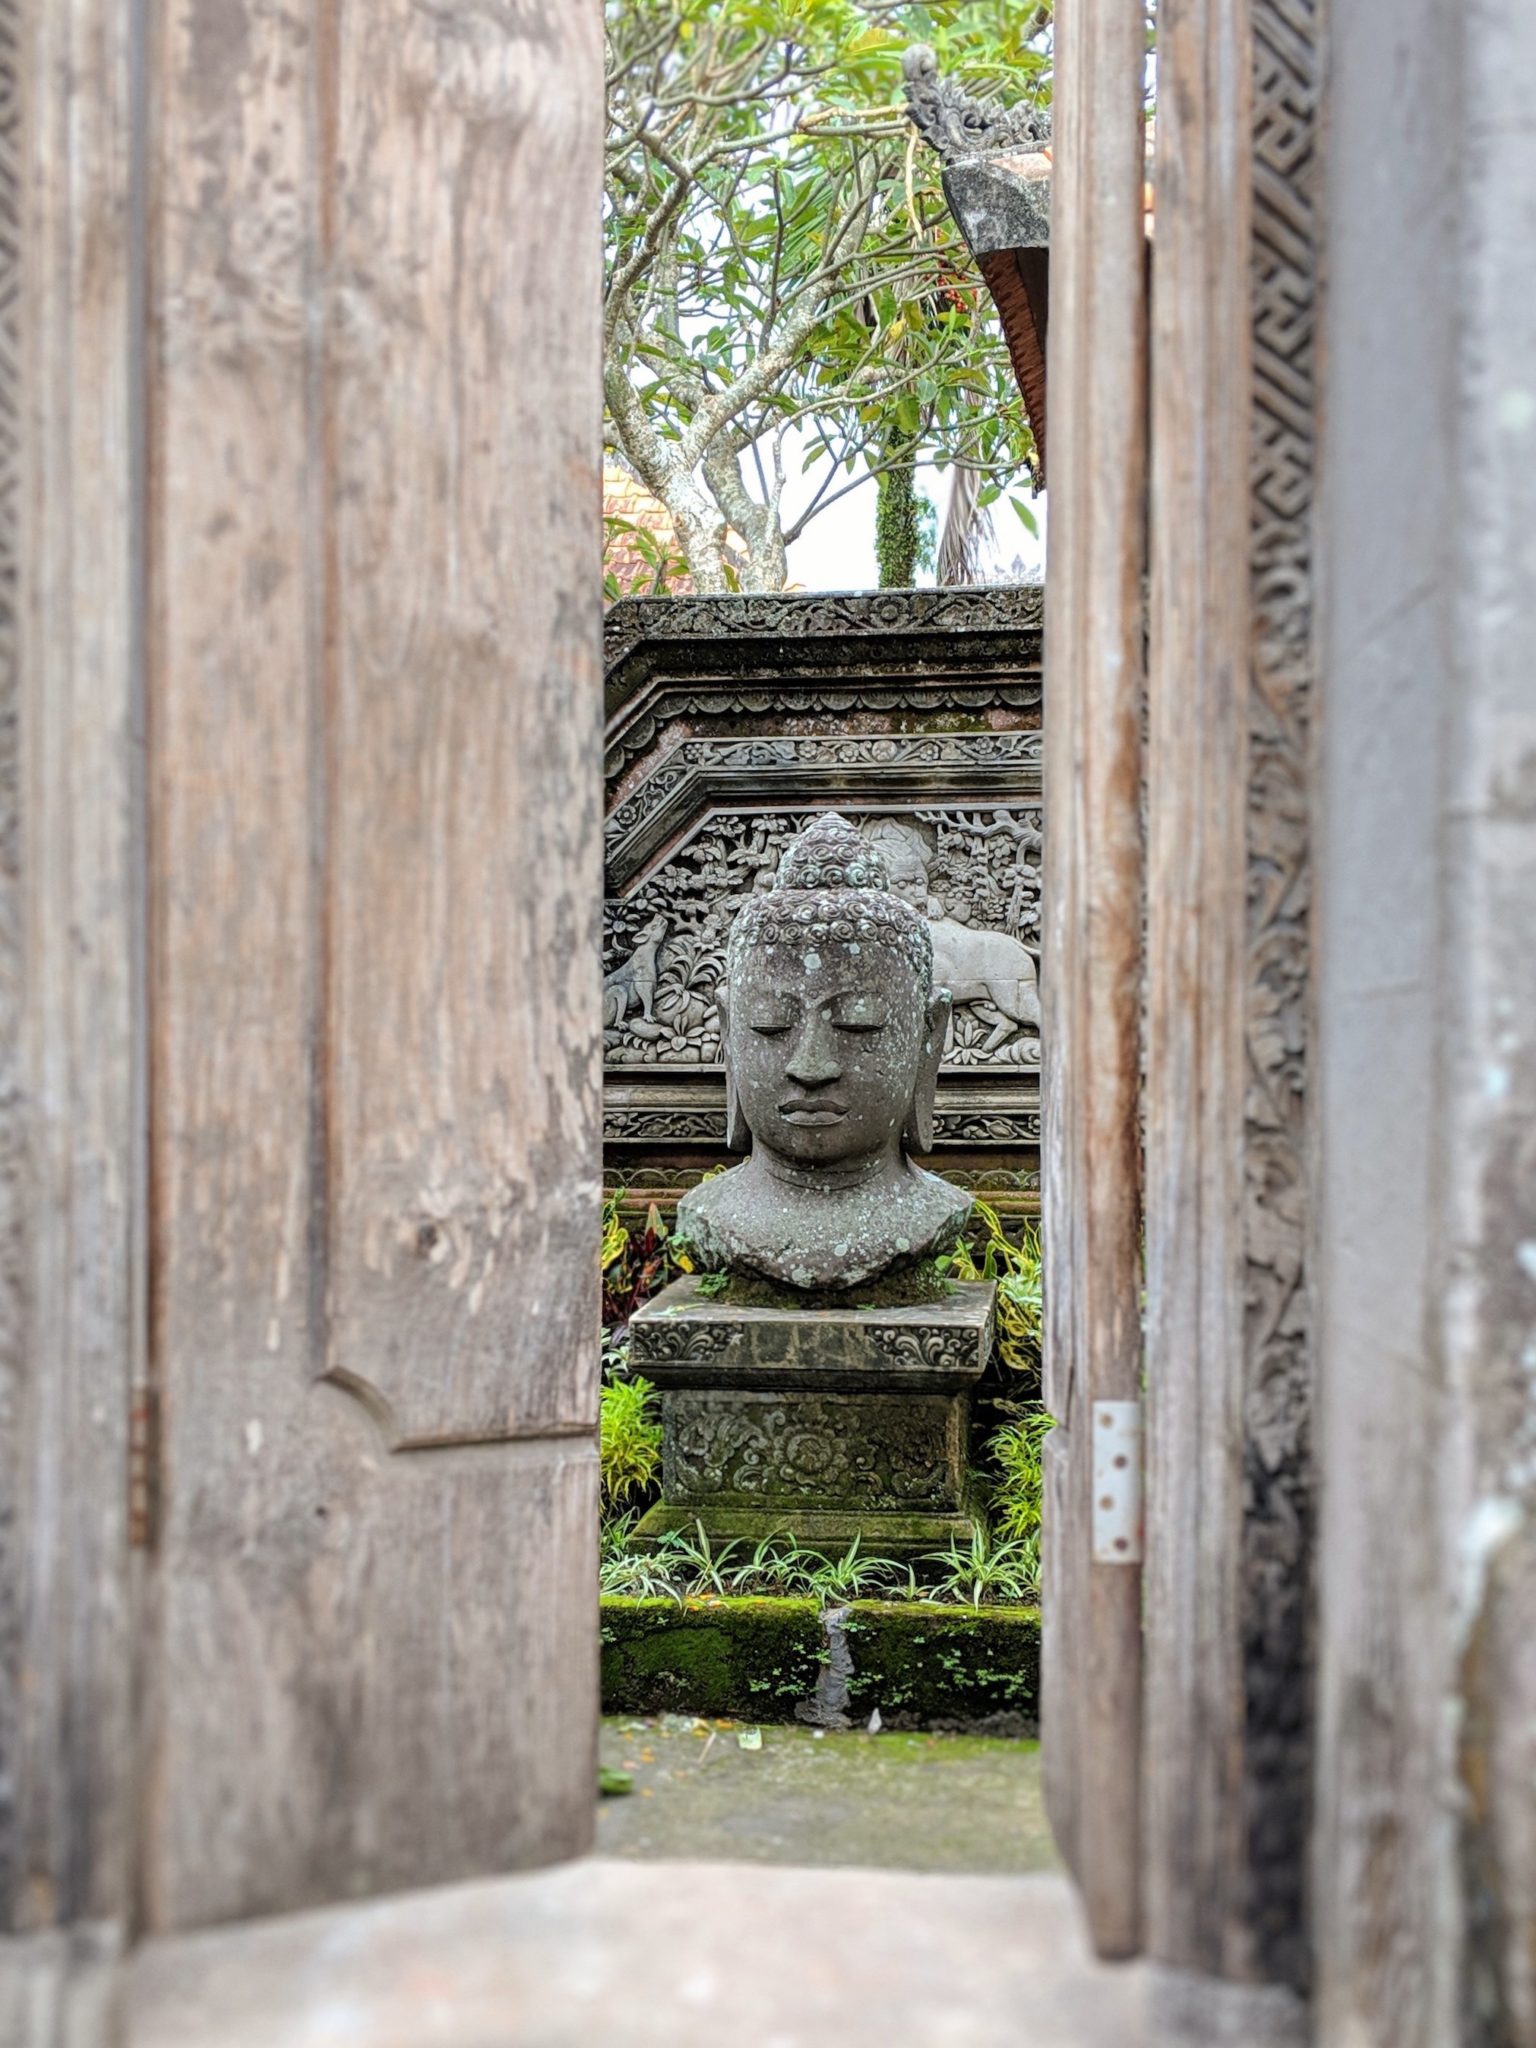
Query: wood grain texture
(374, 629)
(71, 1101)
(463, 706)
(1201, 636)
(1229, 1226)
(1488, 1053)
(1091, 963)
(1384, 1880)
(411, 1648)
(1019, 281)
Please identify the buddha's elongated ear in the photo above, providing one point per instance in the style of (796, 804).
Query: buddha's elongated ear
(917, 1133)
(738, 1137)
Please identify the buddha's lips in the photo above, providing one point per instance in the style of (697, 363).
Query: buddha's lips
(813, 1113)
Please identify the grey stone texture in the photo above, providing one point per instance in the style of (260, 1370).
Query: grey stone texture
(955, 122)
(833, 1037)
(698, 1955)
(824, 1423)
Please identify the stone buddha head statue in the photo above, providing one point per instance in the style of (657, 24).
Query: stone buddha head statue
(833, 1034)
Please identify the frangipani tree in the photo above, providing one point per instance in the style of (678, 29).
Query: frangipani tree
(785, 286)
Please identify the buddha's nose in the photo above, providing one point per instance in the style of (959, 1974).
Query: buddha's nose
(814, 1062)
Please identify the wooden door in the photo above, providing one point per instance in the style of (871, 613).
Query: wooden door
(1091, 969)
(299, 1124)
(374, 709)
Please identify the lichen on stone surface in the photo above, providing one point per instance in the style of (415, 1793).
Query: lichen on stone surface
(832, 1036)
(916, 1287)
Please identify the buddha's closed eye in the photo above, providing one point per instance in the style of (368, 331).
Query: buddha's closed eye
(858, 1013)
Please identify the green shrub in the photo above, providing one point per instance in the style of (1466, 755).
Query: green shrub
(988, 1253)
(629, 1441)
(1019, 1491)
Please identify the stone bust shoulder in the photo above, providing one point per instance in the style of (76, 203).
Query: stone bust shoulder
(833, 1035)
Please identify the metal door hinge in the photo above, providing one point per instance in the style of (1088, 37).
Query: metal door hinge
(144, 1469)
(1117, 1482)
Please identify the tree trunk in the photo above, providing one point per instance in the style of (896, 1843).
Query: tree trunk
(896, 532)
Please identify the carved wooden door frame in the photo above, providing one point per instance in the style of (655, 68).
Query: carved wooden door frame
(1194, 1846)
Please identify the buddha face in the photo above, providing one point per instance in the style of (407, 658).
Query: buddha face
(826, 1047)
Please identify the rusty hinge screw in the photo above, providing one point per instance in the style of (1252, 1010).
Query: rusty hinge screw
(143, 1468)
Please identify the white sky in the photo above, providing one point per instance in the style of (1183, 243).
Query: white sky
(837, 550)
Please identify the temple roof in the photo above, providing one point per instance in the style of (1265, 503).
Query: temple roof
(997, 183)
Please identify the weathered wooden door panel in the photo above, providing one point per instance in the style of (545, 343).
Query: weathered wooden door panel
(374, 716)
(381, 1672)
(1090, 975)
(71, 1099)
(465, 703)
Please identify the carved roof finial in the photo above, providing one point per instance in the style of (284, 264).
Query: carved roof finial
(956, 124)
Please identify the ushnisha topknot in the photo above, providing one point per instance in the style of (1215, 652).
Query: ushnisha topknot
(833, 887)
(830, 854)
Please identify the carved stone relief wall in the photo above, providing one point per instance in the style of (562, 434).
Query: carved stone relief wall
(977, 874)
(731, 722)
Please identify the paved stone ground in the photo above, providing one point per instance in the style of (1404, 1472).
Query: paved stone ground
(888, 1801)
(607, 1954)
(654, 1945)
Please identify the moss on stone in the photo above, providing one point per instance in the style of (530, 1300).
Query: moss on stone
(921, 1665)
(929, 1666)
(750, 1656)
(950, 719)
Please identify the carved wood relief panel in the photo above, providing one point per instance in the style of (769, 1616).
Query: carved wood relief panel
(1277, 1475)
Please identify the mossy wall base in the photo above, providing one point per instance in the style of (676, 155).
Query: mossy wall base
(922, 1666)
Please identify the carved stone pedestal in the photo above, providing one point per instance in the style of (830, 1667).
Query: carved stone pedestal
(824, 1423)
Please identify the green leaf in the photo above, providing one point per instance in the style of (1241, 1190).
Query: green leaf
(898, 337)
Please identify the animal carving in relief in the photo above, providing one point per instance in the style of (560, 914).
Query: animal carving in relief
(991, 971)
(634, 980)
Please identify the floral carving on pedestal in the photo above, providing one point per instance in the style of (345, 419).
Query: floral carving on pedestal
(921, 1345)
(857, 1451)
(683, 1342)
